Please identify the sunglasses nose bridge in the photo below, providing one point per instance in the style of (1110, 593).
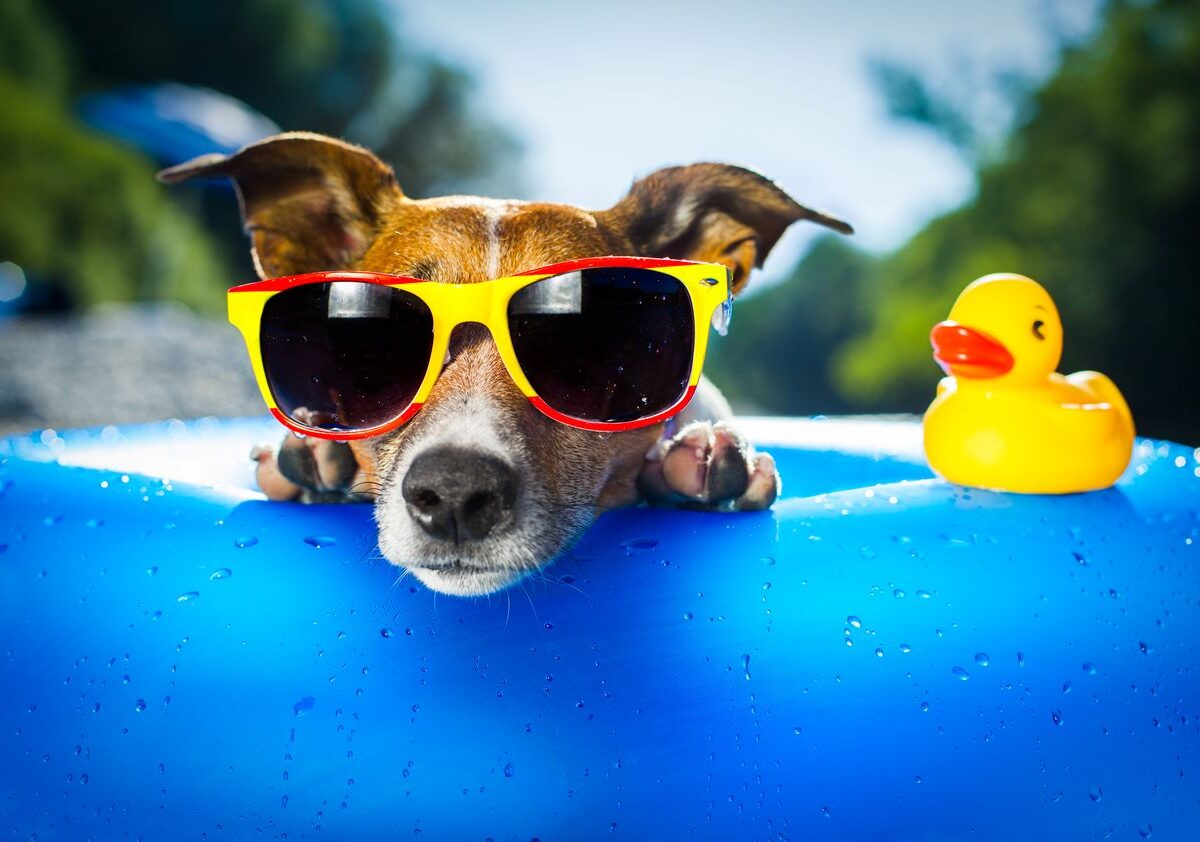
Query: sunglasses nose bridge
(470, 304)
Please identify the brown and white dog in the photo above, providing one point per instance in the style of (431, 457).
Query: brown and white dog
(313, 203)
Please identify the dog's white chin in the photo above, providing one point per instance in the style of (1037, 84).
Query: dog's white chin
(460, 582)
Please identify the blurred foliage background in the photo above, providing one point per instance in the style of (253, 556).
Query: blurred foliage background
(1095, 193)
(1094, 190)
(82, 213)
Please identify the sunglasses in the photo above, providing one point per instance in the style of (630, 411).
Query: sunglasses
(606, 344)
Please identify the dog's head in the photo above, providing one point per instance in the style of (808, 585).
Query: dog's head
(479, 489)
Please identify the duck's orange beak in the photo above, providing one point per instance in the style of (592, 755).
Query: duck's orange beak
(964, 352)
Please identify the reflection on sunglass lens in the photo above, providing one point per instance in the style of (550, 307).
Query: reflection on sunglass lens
(345, 355)
(607, 344)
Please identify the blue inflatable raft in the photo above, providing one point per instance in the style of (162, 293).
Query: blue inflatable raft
(882, 656)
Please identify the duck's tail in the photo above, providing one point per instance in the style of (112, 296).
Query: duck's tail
(1101, 387)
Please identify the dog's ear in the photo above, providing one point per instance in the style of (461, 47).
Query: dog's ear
(309, 202)
(715, 213)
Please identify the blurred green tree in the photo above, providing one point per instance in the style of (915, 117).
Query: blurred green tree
(1096, 194)
(781, 343)
(78, 209)
(340, 67)
(333, 66)
(103, 229)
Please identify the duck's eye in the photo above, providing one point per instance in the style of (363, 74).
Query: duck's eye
(1037, 329)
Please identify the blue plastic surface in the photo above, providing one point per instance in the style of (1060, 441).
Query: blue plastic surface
(903, 660)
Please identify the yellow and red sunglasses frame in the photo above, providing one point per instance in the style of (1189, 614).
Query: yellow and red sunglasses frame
(486, 303)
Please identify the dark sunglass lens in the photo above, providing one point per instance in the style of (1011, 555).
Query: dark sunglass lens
(345, 355)
(612, 344)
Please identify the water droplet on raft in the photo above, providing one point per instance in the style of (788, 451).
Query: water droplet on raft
(1095, 793)
(924, 707)
(769, 561)
(244, 541)
(854, 621)
(879, 652)
(1089, 669)
(1056, 716)
(140, 705)
(283, 802)
(223, 573)
(639, 544)
(1145, 830)
(150, 571)
(509, 771)
(320, 541)
(982, 659)
(188, 596)
(746, 666)
(924, 594)
(687, 615)
(960, 673)
(898, 593)
(905, 648)
(303, 706)
(796, 730)
(1066, 688)
(384, 632)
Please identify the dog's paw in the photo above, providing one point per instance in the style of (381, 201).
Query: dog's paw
(309, 469)
(709, 466)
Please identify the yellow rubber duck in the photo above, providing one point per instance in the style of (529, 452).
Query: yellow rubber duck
(1004, 418)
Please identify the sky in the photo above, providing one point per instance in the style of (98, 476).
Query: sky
(603, 92)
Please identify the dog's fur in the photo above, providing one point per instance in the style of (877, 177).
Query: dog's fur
(313, 203)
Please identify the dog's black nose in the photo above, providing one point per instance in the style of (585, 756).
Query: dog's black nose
(458, 494)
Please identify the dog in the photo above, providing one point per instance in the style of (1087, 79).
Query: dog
(312, 203)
